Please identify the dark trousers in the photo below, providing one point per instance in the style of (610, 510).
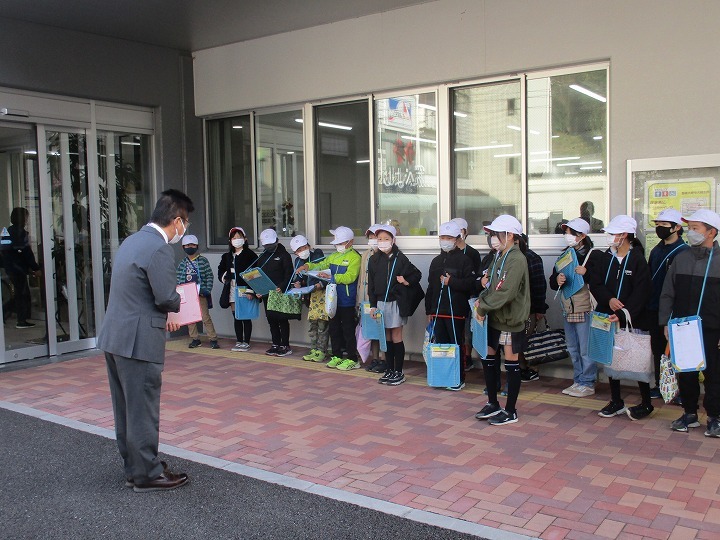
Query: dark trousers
(657, 344)
(342, 332)
(689, 383)
(22, 296)
(135, 392)
(279, 331)
(444, 334)
(243, 330)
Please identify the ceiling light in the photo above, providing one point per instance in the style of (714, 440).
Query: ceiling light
(587, 92)
(299, 120)
(290, 153)
(516, 128)
(419, 139)
(428, 107)
(128, 143)
(579, 163)
(363, 161)
(506, 155)
(533, 132)
(554, 159)
(31, 152)
(334, 126)
(571, 172)
(593, 168)
(237, 127)
(460, 114)
(488, 147)
(556, 136)
(597, 138)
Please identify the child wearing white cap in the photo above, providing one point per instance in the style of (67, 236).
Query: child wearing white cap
(344, 269)
(376, 365)
(668, 228)
(195, 268)
(693, 271)
(619, 278)
(318, 325)
(476, 259)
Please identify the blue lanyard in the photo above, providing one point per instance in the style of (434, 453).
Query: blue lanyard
(197, 271)
(707, 269)
(622, 275)
(437, 311)
(666, 258)
(390, 280)
(502, 265)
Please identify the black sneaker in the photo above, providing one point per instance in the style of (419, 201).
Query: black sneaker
(612, 409)
(529, 375)
(503, 418)
(488, 411)
(283, 351)
(272, 351)
(713, 427)
(385, 378)
(194, 343)
(684, 422)
(655, 393)
(381, 367)
(214, 345)
(638, 412)
(372, 365)
(456, 388)
(25, 324)
(397, 379)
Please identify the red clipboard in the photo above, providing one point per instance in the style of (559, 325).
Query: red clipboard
(189, 305)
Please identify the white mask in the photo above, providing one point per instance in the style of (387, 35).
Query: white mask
(495, 243)
(304, 254)
(373, 243)
(385, 245)
(612, 242)
(175, 239)
(237, 242)
(447, 245)
(695, 238)
(571, 240)
(341, 248)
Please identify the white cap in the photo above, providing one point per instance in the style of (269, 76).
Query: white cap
(577, 224)
(189, 239)
(387, 228)
(372, 229)
(460, 221)
(450, 228)
(298, 241)
(670, 215)
(268, 236)
(505, 223)
(342, 234)
(620, 224)
(705, 216)
(235, 229)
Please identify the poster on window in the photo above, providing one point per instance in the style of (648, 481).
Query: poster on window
(401, 113)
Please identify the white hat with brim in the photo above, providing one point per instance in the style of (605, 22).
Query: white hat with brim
(387, 228)
(298, 241)
(705, 216)
(621, 224)
(450, 228)
(372, 229)
(578, 225)
(342, 235)
(189, 239)
(505, 223)
(460, 221)
(268, 236)
(670, 215)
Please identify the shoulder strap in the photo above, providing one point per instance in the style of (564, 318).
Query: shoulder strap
(707, 269)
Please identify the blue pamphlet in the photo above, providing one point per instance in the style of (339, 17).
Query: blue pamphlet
(258, 281)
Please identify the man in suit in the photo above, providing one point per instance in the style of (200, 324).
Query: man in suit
(142, 293)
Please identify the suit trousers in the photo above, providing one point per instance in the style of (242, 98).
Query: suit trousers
(135, 391)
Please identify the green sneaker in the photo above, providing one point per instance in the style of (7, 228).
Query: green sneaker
(348, 364)
(319, 356)
(310, 357)
(334, 362)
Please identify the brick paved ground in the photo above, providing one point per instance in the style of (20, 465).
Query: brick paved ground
(561, 472)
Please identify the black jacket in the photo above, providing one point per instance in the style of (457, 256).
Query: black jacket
(474, 255)
(233, 265)
(379, 267)
(462, 283)
(316, 255)
(277, 265)
(636, 284)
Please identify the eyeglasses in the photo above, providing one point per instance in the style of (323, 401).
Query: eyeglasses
(186, 223)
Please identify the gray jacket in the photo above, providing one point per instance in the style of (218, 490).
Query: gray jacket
(142, 292)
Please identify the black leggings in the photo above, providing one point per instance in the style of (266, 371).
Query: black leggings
(243, 330)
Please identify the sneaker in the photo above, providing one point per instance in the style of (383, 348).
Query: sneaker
(319, 356)
(638, 412)
(309, 357)
(385, 378)
(272, 351)
(655, 393)
(347, 365)
(214, 345)
(503, 418)
(397, 379)
(570, 389)
(684, 422)
(283, 351)
(612, 409)
(334, 362)
(372, 365)
(245, 346)
(25, 324)
(381, 367)
(581, 390)
(488, 411)
(529, 375)
(194, 343)
(456, 388)
(713, 427)
(238, 347)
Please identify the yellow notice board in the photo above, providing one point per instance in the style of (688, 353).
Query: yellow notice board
(686, 195)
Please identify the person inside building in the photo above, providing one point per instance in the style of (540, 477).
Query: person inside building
(505, 301)
(19, 262)
(587, 212)
(692, 287)
(194, 268)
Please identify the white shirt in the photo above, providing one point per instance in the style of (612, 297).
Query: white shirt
(156, 226)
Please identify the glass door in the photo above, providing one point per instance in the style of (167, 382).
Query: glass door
(22, 291)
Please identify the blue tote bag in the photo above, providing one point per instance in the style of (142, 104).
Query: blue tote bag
(443, 359)
(245, 309)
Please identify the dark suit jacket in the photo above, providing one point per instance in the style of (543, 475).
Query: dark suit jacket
(142, 292)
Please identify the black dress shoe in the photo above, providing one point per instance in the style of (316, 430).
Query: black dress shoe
(165, 482)
(129, 482)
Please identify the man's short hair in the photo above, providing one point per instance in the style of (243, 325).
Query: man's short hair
(171, 204)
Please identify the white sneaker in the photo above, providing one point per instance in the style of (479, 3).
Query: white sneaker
(238, 347)
(582, 391)
(570, 389)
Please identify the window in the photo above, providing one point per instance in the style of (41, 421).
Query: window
(229, 162)
(342, 160)
(279, 166)
(484, 141)
(567, 150)
(406, 146)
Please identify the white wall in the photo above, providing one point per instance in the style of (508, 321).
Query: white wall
(663, 63)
